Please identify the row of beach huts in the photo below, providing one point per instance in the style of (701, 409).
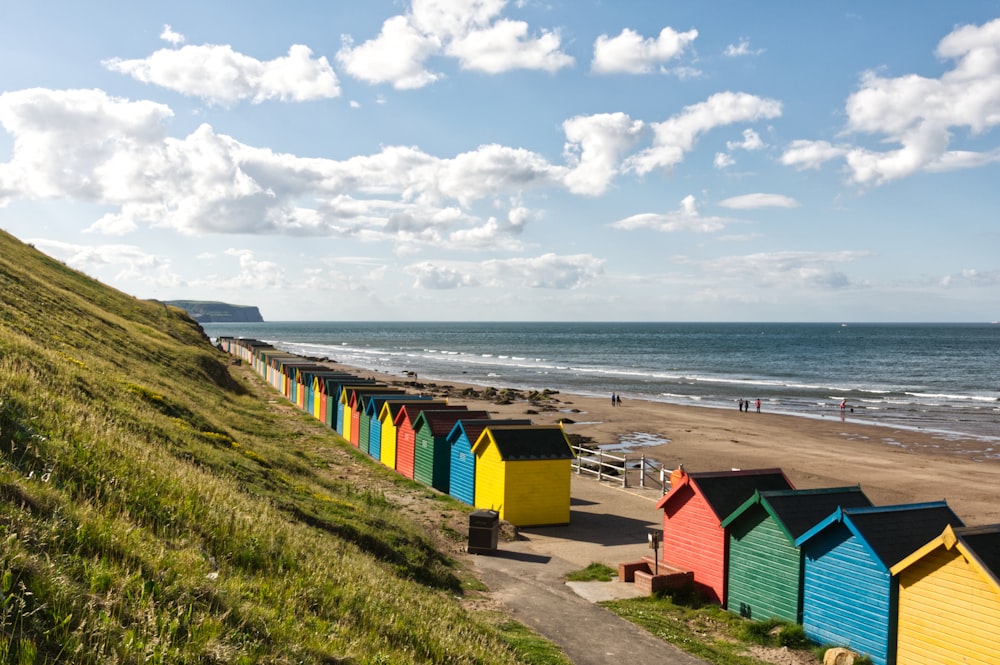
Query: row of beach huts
(904, 584)
(520, 470)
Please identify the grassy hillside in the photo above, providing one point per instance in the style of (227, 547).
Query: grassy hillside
(159, 505)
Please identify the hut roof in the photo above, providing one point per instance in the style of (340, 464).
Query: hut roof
(797, 511)
(725, 491)
(891, 533)
(984, 542)
(395, 406)
(411, 410)
(474, 427)
(979, 543)
(527, 442)
(441, 422)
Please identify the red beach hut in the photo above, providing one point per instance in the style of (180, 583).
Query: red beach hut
(693, 536)
(406, 437)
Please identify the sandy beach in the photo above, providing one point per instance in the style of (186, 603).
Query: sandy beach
(892, 465)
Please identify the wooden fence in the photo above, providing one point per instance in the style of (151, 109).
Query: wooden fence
(629, 471)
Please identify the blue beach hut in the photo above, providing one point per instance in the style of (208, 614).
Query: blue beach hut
(849, 595)
(764, 576)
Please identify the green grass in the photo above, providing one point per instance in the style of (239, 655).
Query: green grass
(595, 572)
(708, 631)
(527, 643)
(155, 507)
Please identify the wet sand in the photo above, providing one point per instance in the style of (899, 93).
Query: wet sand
(892, 465)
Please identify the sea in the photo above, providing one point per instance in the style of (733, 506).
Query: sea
(941, 378)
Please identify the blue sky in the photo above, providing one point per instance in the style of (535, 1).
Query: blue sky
(514, 160)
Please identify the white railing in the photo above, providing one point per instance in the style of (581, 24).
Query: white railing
(606, 466)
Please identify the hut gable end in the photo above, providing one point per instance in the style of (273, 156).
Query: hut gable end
(797, 511)
(894, 532)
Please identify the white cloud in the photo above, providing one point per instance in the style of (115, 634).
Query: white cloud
(396, 56)
(804, 154)
(972, 277)
(220, 75)
(470, 31)
(629, 53)
(494, 235)
(448, 19)
(429, 275)
(759, 200)
(919, 114)
(594, 148)
(87, 146)
(741, 49)
(723, 160)
(686, 218)
(548, 271)
(751, 141)
(505, 45)
(133, 265)
(73, 143)
(794, 270)
(168, 35)
(253, 273)
(677, 136)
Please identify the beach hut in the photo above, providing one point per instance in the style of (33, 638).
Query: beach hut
(323, 385)
(387, 422)
(462, 469)
(432, 454)
(359, 422)
(346, 407)
(523, 473)
(406, 436)
(303, 377)
(765, 566)
(693, 536)
(849, 596)
(949, 599)
(372, 409)
(307, 377)
(334, 390)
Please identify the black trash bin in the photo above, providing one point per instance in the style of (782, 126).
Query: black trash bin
(484, 527)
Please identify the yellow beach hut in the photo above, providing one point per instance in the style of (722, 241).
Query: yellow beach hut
(523, 473)
(387, 421)
(949, 599)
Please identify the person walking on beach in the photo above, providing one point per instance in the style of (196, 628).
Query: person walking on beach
(613, 399)
(618, 400)
(758, 405)
(741, 405)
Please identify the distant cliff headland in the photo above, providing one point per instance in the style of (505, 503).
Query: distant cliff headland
(218, 312)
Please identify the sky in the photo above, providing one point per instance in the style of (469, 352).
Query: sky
(521, 160)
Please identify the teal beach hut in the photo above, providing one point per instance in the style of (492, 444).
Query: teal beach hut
(432, 454)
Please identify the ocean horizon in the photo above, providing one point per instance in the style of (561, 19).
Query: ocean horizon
(936, 377)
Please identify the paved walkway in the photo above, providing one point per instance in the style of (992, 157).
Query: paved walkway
(607, 525)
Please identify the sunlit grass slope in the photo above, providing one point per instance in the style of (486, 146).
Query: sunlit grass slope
(153, 510)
